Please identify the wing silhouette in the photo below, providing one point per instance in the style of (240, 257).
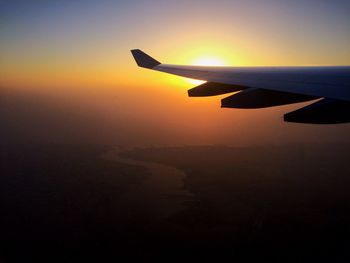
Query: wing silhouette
(260, 87)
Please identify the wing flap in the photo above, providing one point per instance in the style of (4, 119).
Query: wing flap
(262, 98)
(213, 89)
(325, 111)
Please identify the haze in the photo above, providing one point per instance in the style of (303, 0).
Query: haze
(67, 75)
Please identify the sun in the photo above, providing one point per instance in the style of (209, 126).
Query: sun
(206, 61)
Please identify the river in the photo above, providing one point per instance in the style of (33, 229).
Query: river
(160, 195)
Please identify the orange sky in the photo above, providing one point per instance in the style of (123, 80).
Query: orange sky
(87, 44)
(79, 52)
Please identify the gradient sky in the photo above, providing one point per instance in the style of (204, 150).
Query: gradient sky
(60, 46)
(88, 42)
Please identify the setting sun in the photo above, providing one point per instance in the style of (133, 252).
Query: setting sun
(206, 61)
(209, 61)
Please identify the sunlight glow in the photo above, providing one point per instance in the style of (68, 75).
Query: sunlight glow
(208, 61)
(195, 81)
(205, 61)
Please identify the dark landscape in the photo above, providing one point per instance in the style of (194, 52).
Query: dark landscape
(174, 131)
(274, 204)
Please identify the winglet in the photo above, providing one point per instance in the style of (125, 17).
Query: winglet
(143, 60)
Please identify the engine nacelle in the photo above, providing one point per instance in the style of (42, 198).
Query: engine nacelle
(213, 89)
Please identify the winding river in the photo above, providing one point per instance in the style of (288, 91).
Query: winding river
(160, 195)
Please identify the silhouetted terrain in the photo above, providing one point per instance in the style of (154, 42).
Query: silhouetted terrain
(56, 201)
(264, 203)
(274, 204)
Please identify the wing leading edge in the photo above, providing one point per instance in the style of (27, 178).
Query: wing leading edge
(259, 87)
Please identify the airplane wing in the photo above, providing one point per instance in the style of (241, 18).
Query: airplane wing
(260, 87)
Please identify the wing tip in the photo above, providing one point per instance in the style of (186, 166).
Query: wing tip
(143, 60)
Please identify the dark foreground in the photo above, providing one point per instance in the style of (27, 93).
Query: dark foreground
(274, 204)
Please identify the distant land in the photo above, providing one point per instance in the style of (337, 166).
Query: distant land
(267, 204)
(279, 204)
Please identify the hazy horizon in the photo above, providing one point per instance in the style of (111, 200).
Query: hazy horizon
(105, 116)
(67, 75)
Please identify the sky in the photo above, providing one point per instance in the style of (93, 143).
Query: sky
(77, 54)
